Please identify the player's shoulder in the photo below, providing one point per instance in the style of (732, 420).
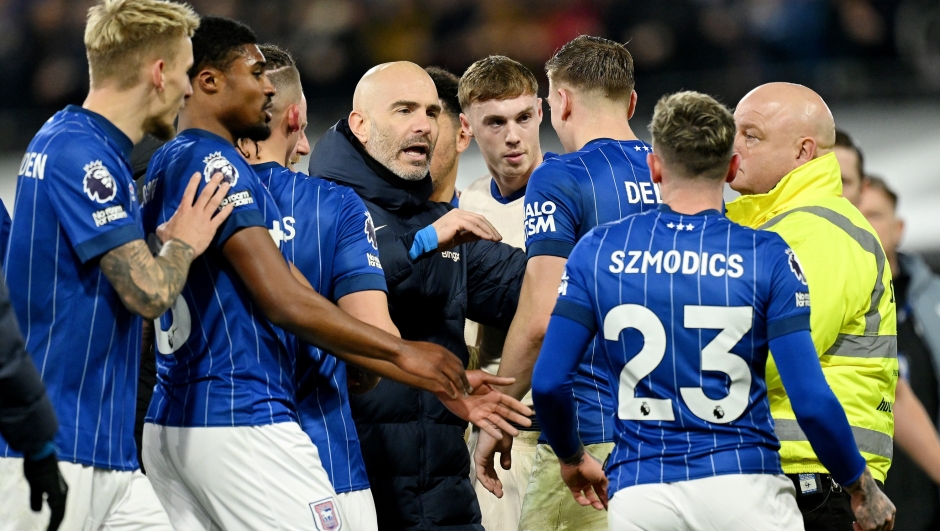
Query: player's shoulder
(554, 174)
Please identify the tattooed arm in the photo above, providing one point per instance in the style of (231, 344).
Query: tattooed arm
(148, 285)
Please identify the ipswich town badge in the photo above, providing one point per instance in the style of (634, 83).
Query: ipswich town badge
(325, 516)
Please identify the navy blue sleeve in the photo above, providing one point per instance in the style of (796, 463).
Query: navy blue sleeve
(356, 265)
(788, 306)
(91, 195)
(552, 211)
(5, 223)
(817, 409)
(494, 281)
(552, 379)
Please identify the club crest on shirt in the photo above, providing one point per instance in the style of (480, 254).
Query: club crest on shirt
(324, 515)
(98, 183)
(216, 163)
(795, 266)
(370, 232)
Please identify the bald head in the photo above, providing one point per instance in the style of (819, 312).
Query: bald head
(780, 127)
(395, 111)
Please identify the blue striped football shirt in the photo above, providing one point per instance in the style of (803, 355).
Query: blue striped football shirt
(75, 201)
(220, 362)
(567, 196)
(684, 306)
(327, 233)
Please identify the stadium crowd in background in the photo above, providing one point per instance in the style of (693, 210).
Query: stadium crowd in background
(727, 43)
(307, 344)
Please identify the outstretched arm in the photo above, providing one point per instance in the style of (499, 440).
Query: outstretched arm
(300, 310)
(148, 285)
(484, 407)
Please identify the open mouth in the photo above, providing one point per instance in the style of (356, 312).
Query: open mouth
(416, 151)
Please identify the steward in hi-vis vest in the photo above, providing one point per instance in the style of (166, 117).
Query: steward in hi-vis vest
(852, 315)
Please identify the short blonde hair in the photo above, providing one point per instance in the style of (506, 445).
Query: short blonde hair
(694, 134)
(120, 34)
(496, 77)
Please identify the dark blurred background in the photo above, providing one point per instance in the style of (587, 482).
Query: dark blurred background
(876, 62)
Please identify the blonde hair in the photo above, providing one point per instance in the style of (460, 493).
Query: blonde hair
(694, 134)
(496, 77)
(120, 34)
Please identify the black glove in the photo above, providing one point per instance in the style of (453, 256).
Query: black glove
(44, 478)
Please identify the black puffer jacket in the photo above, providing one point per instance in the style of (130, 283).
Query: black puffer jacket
(414, 450)
(27, 418)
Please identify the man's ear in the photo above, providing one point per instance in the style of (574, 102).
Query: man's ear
(293, 118)
(463, 138)
(656, 167)
(733, 167)
(465, 125)
(538, 105)
(157, 77)
(565, 104)
(807, 150)
(208, 81)
(632, 107)
(358, 124)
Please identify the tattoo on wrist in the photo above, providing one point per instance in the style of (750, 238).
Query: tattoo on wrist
(575, 459)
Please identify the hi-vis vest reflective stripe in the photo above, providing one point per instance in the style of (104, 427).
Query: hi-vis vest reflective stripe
(852, 309)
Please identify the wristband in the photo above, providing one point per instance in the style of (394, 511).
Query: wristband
(425, 241)
(45, 451)
(575, 459)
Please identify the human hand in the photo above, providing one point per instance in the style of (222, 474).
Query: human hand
(873, 510)
(44, 478)
(484, 456)
(196, 220)
(487, 408)
(586, 480)
(459, 226)
(437, 366)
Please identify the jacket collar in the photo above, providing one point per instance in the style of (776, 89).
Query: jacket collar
(816, 179)
(339, 157)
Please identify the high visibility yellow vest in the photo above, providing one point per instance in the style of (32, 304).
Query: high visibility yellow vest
(853, 320)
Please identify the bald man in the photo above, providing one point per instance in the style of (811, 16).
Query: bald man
(442, 265)
(791, 185)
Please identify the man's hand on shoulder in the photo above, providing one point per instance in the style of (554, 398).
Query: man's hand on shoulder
(873, 510)
(196, 220)
(459, 226)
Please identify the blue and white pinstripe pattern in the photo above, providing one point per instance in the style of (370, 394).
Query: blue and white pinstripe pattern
(82, 338)
(598, 194)
(688, 447)
(230, 370)
(321, 249)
